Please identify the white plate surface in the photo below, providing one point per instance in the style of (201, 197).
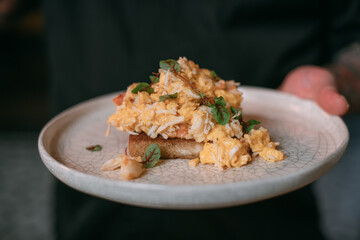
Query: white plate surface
(312, 140)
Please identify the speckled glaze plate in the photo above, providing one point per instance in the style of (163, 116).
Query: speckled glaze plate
(312, 140)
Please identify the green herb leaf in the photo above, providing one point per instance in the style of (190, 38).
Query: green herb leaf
(151, 156)
(250, 125)
(235, 111)
(150, 90)
(220, 101)
(221, 114)
(94, 148)
(164, 97)
(170, 64)
(152, 79)
(140, 87)
(204, 100)
(214, 75)
(143, 87)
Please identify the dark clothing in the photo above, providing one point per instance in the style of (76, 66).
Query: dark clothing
(292, 216)
(98, 47)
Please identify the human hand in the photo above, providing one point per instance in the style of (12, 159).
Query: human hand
(317, 84)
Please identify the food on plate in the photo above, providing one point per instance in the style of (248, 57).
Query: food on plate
(192, 113)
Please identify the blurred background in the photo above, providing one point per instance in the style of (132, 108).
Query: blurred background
(25, 184)
(23, 66)
(27, 188)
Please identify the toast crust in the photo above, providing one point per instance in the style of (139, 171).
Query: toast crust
(171, 148)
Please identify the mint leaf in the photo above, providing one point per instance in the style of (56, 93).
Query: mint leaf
(151, 156)
(220, 101)
(153, 79)
(170, 64)
(221, 114)
(143, 87)
(164, 97)
(250, 125)
(94, 148)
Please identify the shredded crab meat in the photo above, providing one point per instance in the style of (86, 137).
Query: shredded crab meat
(164, 135)
(233, 151)
(152, 130)
(162, 111)
(191, 94)
(138, 128)
(150, 106)
(132, 133)
(111, 164)
(130, 167)
(163, 127)
(166, 80)
(136, 100)
(175, 90)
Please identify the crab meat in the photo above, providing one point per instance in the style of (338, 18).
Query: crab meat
(131, 167)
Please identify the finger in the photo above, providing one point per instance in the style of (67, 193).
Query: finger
(332, 102)
(307, 81)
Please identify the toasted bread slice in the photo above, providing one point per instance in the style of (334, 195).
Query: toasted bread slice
(170, 148)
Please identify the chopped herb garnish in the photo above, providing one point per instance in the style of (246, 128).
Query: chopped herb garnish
(164, 97)
(170, 64)
(220, 101)
(250, 125)
(247, 126)
(214, 75)
(221, 114)
(238, 114)
(143, 87)
(204, 100)
(151, 156)
(154, 79)
(94, 148)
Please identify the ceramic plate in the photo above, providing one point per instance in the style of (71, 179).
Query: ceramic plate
(312, 140)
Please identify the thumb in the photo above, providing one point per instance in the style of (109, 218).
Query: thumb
(332, 102)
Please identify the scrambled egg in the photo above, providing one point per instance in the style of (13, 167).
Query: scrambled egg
(225, 146)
